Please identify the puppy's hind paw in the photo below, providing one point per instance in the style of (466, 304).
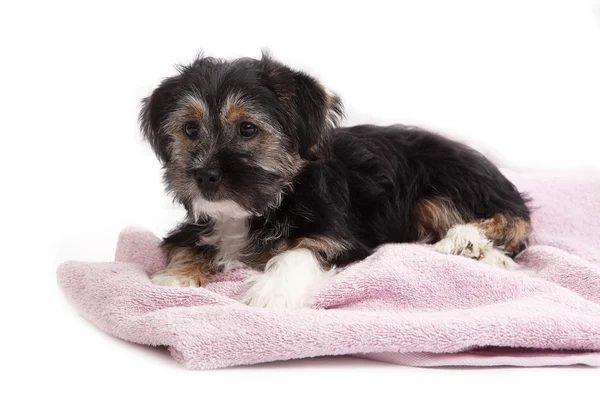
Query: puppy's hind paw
(463, 240)
(498, 258)
(468, 241)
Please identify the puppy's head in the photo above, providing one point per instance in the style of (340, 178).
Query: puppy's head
(232, 134)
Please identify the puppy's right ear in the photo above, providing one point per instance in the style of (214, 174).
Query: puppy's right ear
(153, 114)
(313, 111)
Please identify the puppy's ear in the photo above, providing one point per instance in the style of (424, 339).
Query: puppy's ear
(313, 112)
(153, 113)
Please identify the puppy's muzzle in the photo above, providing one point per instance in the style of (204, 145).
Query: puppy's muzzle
(208, 178)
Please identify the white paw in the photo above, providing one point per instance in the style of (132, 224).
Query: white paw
(497, 258)
(268, 292)
(468, 241)
(464, 240)
(289, 281)
(170, 278)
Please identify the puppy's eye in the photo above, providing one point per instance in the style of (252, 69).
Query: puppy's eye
(247, 129)
(192, 130)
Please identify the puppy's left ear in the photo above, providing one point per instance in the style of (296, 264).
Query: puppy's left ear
(313, 111)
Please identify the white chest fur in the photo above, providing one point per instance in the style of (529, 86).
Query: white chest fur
(230, 237)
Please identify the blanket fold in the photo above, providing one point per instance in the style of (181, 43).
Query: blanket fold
(405, 304)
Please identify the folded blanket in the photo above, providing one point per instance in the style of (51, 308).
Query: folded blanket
(405, 304)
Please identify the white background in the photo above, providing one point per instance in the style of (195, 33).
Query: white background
(520, 79)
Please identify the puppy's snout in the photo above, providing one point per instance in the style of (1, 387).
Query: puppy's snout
(208, 177)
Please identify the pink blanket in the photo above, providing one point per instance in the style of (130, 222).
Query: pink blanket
(405, 304)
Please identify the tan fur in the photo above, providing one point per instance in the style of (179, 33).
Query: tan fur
(237, 109)
(274, 158)
(324, 248)
(234, 111)
(435, 215)
(185, 263)
(508, 233)
(190, 108)
(196, 107)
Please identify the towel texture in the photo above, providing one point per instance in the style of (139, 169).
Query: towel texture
(405, 304)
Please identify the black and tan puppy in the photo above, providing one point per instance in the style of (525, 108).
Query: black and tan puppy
(252, 150)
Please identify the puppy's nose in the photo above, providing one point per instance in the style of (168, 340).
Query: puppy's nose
(208, 177)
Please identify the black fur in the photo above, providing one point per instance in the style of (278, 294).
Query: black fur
(295, 105)
(366, 193)
(294, 99)
(356, 185)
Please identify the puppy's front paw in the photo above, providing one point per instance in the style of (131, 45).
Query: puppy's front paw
(289, 281)
(172, 278)
(266, 291)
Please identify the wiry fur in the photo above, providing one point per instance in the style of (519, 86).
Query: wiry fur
(304, 184)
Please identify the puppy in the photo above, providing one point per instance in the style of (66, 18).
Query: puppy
(252, 150)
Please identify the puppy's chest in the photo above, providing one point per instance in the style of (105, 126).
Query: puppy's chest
(230, 239)
(237, 243)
